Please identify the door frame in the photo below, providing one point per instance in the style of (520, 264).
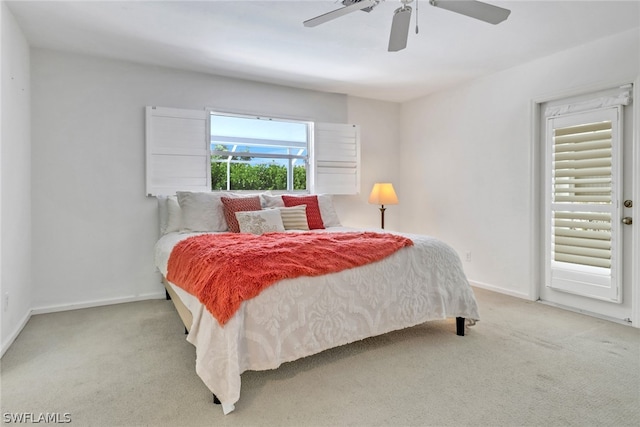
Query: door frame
(537, 189)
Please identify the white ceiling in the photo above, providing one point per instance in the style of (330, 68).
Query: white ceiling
(266, 41)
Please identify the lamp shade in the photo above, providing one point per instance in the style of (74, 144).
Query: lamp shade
(383, 194)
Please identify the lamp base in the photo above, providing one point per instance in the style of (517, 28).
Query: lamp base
(382, 209)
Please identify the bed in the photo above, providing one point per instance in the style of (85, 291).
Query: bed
(302, 316)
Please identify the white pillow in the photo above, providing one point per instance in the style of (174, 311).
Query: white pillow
(269, 201)
(202, 211)
(163, 214)
(258, 222)
(327, 211)
(170, 214)
(174, 215)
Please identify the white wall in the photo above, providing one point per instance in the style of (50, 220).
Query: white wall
(466, 158)
(93, 228)
(380, 142)
(15, 180)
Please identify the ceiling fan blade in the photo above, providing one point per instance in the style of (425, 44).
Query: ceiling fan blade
(400, 29)
(474, 9)
(339, 12)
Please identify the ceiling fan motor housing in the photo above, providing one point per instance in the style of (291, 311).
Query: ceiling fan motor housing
(366, 9)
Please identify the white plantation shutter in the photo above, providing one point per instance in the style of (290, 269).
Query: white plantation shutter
(336, 158)
(582, 175)
(584, 169)
(178, 154)
(177, 151)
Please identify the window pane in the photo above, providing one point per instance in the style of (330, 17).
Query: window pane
(246, 127)
(258, 154)
(257, 174)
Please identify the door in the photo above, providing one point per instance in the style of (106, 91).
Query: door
(588, 166)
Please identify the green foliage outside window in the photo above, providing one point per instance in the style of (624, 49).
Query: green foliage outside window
(256, 176)
(262, 176)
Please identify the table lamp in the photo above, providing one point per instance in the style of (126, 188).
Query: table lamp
(383, 194)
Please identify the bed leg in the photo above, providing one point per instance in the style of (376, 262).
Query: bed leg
(460, 326)
(186, 331)
(166, 295)
(216, 400)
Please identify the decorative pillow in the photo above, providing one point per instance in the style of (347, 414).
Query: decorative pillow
(163, 214)
(269, 201)
(328, 212)
(174, 215)
(325, 201)
(240, 204)
(314, 218)
(202, 211)
(294, 218)
(259, 222)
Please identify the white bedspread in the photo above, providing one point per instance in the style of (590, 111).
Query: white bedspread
(300, 317)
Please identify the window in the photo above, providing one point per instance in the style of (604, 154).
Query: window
(253, 153)
(198, 150)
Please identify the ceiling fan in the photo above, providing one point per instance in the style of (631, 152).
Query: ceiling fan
(402, 15)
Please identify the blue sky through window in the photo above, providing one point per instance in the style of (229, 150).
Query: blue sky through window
(258, 136)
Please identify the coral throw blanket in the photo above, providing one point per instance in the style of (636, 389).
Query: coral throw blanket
(223, 270)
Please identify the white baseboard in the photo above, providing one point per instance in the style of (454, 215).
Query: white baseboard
(500, 290)
(74, 306)
(588, 313)
(96, 303)
(12, 337)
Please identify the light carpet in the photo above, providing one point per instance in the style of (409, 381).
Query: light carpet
(523, 364)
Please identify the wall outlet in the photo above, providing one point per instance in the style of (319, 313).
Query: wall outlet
(5, 301)
(467, 256)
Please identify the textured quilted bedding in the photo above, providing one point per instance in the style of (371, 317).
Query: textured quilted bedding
(300, 317)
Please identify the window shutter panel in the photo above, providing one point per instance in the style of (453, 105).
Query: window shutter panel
(336, 155)
(177, 151)
(582, 175)
(583, 203)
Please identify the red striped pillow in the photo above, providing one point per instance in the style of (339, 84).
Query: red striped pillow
(314, 218)
(231, 205)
